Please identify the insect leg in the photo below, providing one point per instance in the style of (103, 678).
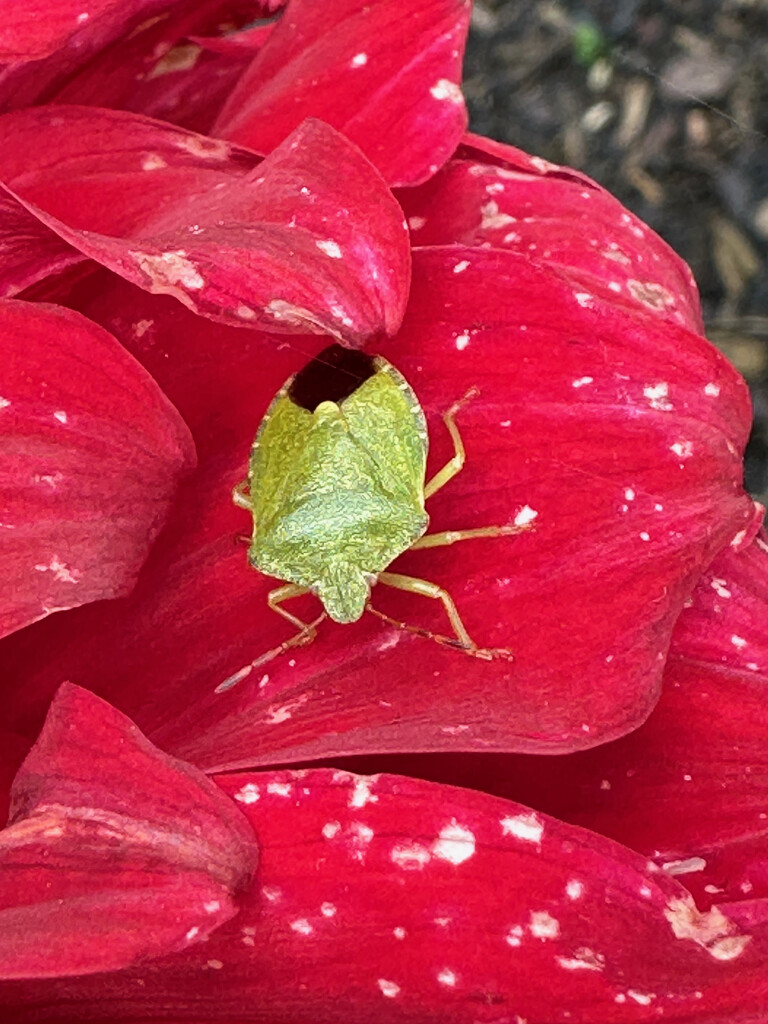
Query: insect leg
(455, 464)
(306, 633)
(439, 540)
(240, 495)
(462, 640)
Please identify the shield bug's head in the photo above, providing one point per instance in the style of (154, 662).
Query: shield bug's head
(344, 591)
(332, 376)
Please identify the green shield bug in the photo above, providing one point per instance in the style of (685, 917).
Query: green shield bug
(336, 487)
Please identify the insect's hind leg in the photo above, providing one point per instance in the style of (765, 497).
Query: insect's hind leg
(456, 463)
(462, 640)
(306, 632)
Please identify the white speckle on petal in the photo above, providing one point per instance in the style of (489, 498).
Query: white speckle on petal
(580, 382)
(683, 449)
(361, 792)
(492, 219)
(525, 515)
(330, 248)
(328, 910)
(60, 415)
(514, 936)
(153, 162)
(629, 494)
(280, 788)
(61, 571)
(684, 867)
(643, 998)
(211, 906)
(712, 930)
(271, 893)
(455, 843)
(170, 268)
(248, 794)
(583, 959)
(712, 390)
(460, 267)
(399, 932)
(584, 299)
(657, 395)
(388, 988)
(192, 933)
(644, 536)
(214, 965)
(445, 89)
(738, 641)
(359, 60)
(447, 977)
(416, 223)
(410, 857)
(245, 313)
(527, 827)
(574, 889)
(4, 403)
(331, 829)
(543, 925)
(462, 341)
(720, 587)
(302, 926)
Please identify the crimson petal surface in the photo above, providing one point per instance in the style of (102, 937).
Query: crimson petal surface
(385, 73)
(92, 455)
(399, 900)
(291, 241)
(617, 437)
(491, 194)
(114, 852)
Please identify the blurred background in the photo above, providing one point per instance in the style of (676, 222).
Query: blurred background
(665, 103)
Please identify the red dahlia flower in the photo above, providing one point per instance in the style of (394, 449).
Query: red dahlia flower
(194, 204)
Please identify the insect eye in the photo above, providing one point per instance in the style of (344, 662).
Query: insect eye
(333, 375)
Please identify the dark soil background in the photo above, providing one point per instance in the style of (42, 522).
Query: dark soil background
(665, 103)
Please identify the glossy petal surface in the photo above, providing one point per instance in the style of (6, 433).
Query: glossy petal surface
(92, 453)
(491, 194)
(405, 901)
(631, 478)
(384, 73)
(31, 251)
(289, 242)
(114, 852)
(38, 28)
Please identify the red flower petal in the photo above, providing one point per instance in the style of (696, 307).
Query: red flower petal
(384, 73)
(694, 774)
(37, 28)
(92, 452)
(114, 851)
(310, 239)
(163, 70)
(31, 251)
(394, 900)
(555, 216)
(634, 476)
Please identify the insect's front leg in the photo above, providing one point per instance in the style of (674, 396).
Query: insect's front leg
(456, 463)
(241, 495)
(306, 633)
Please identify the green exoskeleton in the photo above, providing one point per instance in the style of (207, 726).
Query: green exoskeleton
(336, 487)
